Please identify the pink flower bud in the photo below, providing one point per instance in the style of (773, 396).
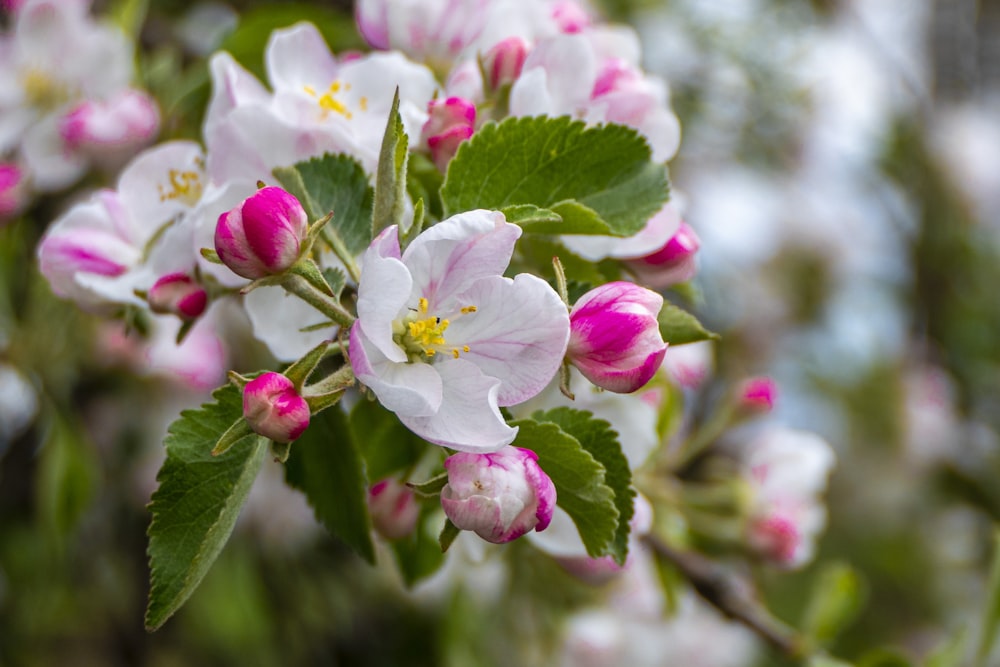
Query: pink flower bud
(451, 122)
(111, 128)
(673, 263)
(758, 394)
(570, 16)
(503, 63)
(393, 508)
(263, 235)
(499, 496)
(777, 538)
(13, 195)
(274, 409)
(615, 339)
(178, 293)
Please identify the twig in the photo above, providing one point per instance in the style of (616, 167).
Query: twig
(727, 593)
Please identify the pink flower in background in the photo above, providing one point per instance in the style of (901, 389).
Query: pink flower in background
(673, 263)
(504, 62)
(758, 394)
(787, 472)
(106, 130)
(393, 508)
(179, 294)
(263, 235)
(13, 192)
(274, 409)
(451, 122)
(615, 339)
(444, 340)
(498, 496)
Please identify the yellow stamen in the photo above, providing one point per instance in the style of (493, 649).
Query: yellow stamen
(183, 185)
(363, 103)
(468, 309)
(423, 305)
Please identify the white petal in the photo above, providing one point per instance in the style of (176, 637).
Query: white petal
(409, 390)
(383, 293)
(453, 254)
(469, 419)
(145, 186)
(518, 333)
(278, 317)
(297, 57)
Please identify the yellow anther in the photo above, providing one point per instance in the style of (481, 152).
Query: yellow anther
(183, 185)
(363, 103)
(465, 348)
(309, 91)
(468, 309)
(423, 305)
(454, 353)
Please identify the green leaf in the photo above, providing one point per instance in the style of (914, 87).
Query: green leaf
(198, 500)
(837, 598)
(677, 326)
(448, 535)
(599, 180)
(530, 217)
(579, 480)
(539, 250)
(431, 487)
(827, 661)
(597, 437)
(336, 279)
(423, 181)
(335, 183)
(390, 177)
(325, 465)
(419, 554)
(387, 446)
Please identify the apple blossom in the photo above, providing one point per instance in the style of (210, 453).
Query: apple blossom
(568, 75)
(499, 496)
(787, 471)
(106, 129)
(103, 249)
(263, 235)
(393, 508)
(274, 408)
(673, 263)
(444, 340)
(504, 61)
(758, 394)
(451, 122)
(177, 293)
(12, 190)
(55, 59)
(615, 338)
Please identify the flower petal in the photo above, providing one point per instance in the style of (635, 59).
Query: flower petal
(469, 418)
(413, 390)
(297, 57)
(383, 293)
(518, 333)
(450, 256)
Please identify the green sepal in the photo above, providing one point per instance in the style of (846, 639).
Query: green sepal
(678, 327)
(301, 369)
(448, 534)
(431, 487)
(280, 451)
(239, 430)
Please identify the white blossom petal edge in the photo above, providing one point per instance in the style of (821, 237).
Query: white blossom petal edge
(444, 340)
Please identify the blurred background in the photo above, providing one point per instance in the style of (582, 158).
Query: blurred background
(841, 163)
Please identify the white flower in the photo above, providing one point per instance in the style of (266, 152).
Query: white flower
(444, 340)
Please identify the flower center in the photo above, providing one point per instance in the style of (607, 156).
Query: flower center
(422, 335)
(329, 103)
(182, 185)
(41, 90)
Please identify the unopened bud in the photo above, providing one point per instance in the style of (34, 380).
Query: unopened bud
(615, 338)
(570, 16)
(123, 123)
(179, 294)
(758, 394)
(503, 63)
(274, 409)
(13, 194)
(451, 122)
(673, 263)
(263, 235)
(499, 496)
(393, 509)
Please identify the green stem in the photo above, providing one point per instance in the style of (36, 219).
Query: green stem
(324, 303)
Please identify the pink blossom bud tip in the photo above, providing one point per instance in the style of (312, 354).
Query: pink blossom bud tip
(274, 409)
